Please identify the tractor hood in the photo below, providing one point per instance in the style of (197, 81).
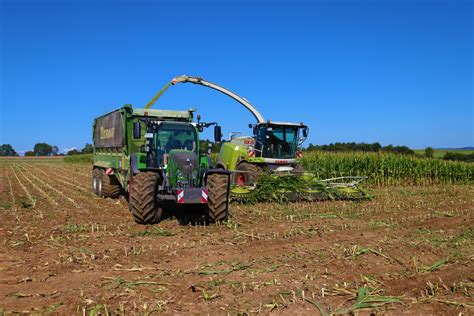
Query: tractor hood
(182, 168)
(184, 160)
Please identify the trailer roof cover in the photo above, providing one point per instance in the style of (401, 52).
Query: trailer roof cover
(108, 130)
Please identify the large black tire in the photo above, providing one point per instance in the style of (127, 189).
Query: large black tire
(95, 180)
(218, 200)
(110, 186)
(143, 201)
(250, 174)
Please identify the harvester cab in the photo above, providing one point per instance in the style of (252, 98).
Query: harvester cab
(278, 141)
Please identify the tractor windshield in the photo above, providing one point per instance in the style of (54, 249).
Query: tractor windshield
(176, 136)
(278, 141)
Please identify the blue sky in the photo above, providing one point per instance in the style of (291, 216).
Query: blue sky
(396, 72)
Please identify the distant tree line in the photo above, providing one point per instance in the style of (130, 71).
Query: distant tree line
(88, 149)
(364, 147)
(7, 150)
(43, 149)
(205, 144)
(459, 157)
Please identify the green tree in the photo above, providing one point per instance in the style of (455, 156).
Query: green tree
(43, 149)
(30, 153)
(88, 149)
(311, 147)
(7, 150)
(429, 152)
(73, 152)
(376, 147)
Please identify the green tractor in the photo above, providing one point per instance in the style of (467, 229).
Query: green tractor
(154, 156)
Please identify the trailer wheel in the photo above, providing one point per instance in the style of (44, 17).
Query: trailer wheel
(249, 176)
(100, 174)
(95, 180)
(110, 185)
(217, 202)
(143, 198)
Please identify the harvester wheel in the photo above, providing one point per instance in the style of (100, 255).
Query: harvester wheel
(95, 180)
(143, 198)
(217, 202)
(249, 176)
(110, 186)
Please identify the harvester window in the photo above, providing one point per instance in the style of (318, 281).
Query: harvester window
(279, 141)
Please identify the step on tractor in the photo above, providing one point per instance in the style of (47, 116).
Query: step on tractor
(154, 157)
(274, 148)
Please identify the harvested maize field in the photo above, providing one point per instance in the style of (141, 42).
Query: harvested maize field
(65, 250)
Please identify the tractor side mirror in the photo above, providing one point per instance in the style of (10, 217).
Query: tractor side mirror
(137, 130)
(217, 134)
(305, 132)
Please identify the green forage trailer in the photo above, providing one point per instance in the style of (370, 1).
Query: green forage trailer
(153, 157)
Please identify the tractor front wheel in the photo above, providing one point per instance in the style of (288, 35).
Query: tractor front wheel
(143, 198)
(249, 174)
(218, 199)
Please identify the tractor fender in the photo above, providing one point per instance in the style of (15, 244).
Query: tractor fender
(221, 164)
(217, 171)
(134, 164)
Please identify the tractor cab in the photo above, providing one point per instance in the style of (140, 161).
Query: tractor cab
(279, 140)
(174, 135)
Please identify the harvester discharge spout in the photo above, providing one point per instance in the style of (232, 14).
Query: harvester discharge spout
(205, 83)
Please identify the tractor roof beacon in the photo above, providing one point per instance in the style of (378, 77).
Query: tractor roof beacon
(154, 156)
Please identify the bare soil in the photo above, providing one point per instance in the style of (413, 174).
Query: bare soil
(65, 250)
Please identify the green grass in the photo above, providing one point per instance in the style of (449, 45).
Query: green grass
(87, 158)
(153, 231)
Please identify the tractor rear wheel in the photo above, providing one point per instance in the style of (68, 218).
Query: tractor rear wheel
(217, 202)
(110, 186)
(248, 176)
(143, 198)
